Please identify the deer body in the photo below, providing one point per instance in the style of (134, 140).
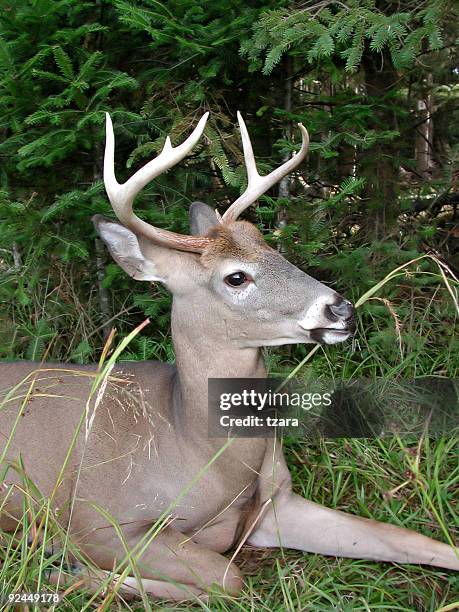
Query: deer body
(137, 448)
(147, 451)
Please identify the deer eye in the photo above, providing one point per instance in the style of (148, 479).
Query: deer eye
(237, 279)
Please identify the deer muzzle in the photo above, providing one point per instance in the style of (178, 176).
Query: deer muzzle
(330, 322)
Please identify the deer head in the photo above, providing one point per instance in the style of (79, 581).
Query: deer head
(224, 271)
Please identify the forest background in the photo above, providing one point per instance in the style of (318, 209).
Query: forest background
(373, 211)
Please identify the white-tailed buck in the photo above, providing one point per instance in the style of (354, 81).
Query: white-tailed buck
(147, 451)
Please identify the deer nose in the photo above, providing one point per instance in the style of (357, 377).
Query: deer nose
(341, 310)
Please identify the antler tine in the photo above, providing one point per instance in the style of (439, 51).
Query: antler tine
(256, 184)
(122, 196)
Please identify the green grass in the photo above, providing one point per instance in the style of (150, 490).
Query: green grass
(412, 483)
(370, 478)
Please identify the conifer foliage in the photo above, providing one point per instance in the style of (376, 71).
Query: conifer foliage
(369, 78)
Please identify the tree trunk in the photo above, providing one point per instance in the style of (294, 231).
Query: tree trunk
(424, 130)
(379, 164)
(104, 298)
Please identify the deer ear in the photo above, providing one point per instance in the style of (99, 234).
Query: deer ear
(125, 250)
(202, 218)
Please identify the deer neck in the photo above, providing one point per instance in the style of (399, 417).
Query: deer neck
(203, 350)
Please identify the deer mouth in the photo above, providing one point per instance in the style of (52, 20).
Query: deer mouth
(331, 335)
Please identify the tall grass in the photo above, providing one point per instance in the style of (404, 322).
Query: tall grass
(412, 483)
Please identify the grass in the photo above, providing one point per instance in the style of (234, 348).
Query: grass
(374, 479)
(413, 483)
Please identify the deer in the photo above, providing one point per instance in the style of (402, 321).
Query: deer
(147, 451)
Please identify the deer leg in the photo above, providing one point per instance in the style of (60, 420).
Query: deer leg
(90, 580)
(191, 568)
(294, 522)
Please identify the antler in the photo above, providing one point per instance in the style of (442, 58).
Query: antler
(122, 196)
(257, 185)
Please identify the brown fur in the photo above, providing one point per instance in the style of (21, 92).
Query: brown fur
(238, 240)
